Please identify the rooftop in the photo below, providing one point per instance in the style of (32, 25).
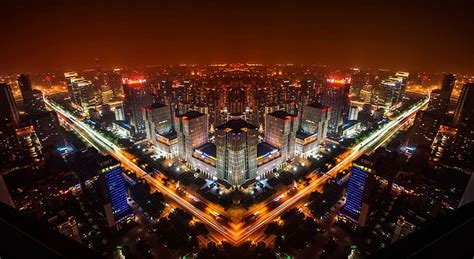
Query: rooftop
(282, 115)
(264, 149)
(155, 106)
(236, 126)
(190, 115)
(318, 105)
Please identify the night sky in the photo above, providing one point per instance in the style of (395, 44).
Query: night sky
(62, 35)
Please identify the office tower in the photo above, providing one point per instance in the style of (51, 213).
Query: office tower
(81, 91)
(360, 179)
(32, 98)
(425, 129)
(280, 132)
(315, 118)
(236, 151)
(137, 95)
(9, 120)
(371, 180)
(47, 129)
(336, 95)
(29, 143)
(449, 80)
(112, 185)
(8, 110)
(439, 100)
(465, 106)
(157, 119)
(192, 130)
(69, 229)
(353, 113)
(402, 229)
(443, 141)
(464, 120)
(119, 114)
(389, 93)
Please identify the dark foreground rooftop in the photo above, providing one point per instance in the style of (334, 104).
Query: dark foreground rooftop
(24, 237)
(447, 237)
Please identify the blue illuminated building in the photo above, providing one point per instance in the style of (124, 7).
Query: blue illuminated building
(355, 191)
(115, 196)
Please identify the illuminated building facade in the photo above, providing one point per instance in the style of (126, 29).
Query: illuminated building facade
(9, 119)
(192, 132)
(112, 184)
(355, 193)
(315, 119)
(280, 132)
(29, 143)
(335, 94)
(81, 91)
(159, 127)
(137, 95)
(236, 143)
(392, 90)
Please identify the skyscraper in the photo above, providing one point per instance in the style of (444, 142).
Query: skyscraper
(158, 120)
(336, 95)
(47, 129)
(111, 179)
(8, 108)
(137, 95)
(425, 128)
(81, 91)
(192, 130)
(315, 118)
(280, 131)
(465, 104)
(9, 120)
(32, 98)
(448, 82)
(464, 120)
(236, 144)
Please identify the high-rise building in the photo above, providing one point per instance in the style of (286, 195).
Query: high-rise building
(112, 184)
(32, 98)
(402, 228)
(464, 120)
(47, 129)
(425, 129)
(81, 91)
(8, 110)
(439, 100)
(29, 143)
(137, 95)
(449, 80)
(336, 95)
(157, 121)
(69, 228)
(360, 179)
(236, 144)
(315, 118)
(192, 130)
(465, 105)
(9, 120)
(280, 132)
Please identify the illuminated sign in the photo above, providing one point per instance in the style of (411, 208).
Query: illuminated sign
(133, 81)
(343, 81)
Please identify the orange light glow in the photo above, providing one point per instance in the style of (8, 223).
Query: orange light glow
(343, 81)
(133, 81)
